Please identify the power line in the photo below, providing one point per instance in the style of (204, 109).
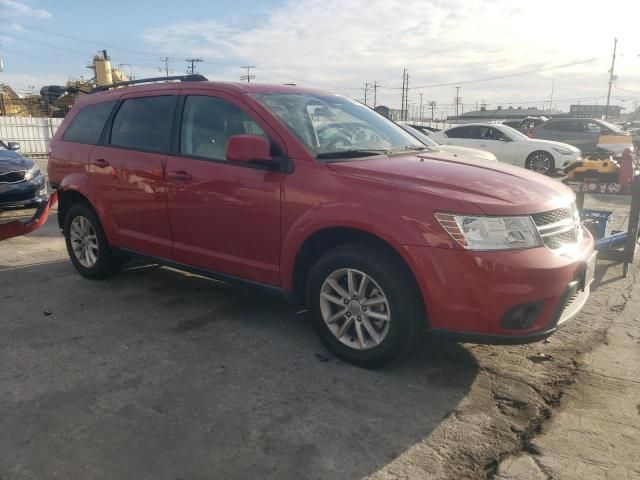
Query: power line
(191, 69)
(248, 77)
(500, 77)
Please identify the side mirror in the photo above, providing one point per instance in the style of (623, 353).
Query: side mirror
(248, 148)
(13, 146)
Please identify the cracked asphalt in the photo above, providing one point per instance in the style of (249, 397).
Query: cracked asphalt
(160, 374)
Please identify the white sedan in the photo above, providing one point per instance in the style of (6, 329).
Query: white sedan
(465, 152)
(510, 146)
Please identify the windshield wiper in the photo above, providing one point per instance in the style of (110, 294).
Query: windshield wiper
(355, 153)
(408, 148)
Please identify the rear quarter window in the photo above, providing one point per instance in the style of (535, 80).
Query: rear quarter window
(86, 127)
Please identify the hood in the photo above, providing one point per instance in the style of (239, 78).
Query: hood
(551, 143)
(467, 152)
(495, 188)
(10, 160)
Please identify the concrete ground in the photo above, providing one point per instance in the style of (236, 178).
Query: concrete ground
(160, 374)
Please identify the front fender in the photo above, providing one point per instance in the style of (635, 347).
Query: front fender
(395, 231)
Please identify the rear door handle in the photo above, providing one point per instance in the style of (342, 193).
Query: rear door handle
(100, 162)
(180, 175)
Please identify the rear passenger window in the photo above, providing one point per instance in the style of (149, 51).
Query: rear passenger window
(464, 132)
(87, 125)
(209, 122)
(144, 124)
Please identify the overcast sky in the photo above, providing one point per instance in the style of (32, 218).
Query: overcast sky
(338, 46)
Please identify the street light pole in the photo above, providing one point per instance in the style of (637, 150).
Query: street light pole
(611, 77)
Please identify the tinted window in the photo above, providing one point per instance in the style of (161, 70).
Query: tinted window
(207, 124)
(144, 124)
(87, 125)
(565, 126)
(464, 132)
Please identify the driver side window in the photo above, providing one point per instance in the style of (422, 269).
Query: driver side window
(208, 123)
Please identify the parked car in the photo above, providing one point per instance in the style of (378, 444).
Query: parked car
(381, 236)
(511, 146)
(451, 149)
(590, 135)
(22, 183)
(526, 124)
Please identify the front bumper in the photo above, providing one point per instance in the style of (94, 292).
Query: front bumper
(468, 294)
(23, 194)
(17, 228)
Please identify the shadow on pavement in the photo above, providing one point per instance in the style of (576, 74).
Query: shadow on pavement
(160, 374)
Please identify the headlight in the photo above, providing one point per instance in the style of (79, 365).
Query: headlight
(562, 151)
(491, 233)
(32, 173)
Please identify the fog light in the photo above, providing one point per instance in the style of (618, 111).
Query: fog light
(521, 316)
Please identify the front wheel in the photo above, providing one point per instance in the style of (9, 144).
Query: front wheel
(87, 244)
(541, 162)
(366, 307)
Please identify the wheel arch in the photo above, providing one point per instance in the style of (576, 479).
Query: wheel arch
(324, 239)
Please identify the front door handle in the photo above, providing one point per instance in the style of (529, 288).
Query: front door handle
(180, 175)
(100, 162)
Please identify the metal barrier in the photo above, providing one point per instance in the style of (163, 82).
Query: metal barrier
(33, 133)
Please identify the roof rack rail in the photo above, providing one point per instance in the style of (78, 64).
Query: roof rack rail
(182, 78)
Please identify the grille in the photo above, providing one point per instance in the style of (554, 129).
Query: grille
(552, 216)
(12, 177)
(558, 228)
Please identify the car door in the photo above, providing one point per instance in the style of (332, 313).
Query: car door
(495, 141)
(127, 172)
(224, 215)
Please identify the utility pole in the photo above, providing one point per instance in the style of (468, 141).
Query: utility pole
(405, 95)
(553, 82)
(457, 101)
(166, 69)
(375, 93)
(432, 104)
(404, 77)
(612, 77)
(421, 108)
(248, 77)
(191, 69)
(366, 89)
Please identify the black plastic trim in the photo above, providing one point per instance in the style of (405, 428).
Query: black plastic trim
(223, 277)
(491, 339)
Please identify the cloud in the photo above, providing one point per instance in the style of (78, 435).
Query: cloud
(340, 45)
(17, 8)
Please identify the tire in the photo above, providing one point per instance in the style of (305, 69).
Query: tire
(541, 162)
(105, 263)
(390, 280)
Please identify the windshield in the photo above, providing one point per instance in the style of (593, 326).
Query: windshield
(331, 126)
(513, 133)
(424, 138)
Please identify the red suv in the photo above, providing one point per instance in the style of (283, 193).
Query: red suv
(322, 199)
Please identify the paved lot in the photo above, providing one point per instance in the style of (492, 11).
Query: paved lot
(159, 374)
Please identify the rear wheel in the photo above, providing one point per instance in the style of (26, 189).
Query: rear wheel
(541, 162)
(366, 307)
(87, 244)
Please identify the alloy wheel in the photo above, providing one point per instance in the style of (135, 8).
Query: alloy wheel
(540, 163)
(355, 309)
(84, 241)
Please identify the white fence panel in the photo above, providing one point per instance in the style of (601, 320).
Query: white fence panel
(33, 133)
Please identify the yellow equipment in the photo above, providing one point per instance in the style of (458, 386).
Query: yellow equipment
(593, 170)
